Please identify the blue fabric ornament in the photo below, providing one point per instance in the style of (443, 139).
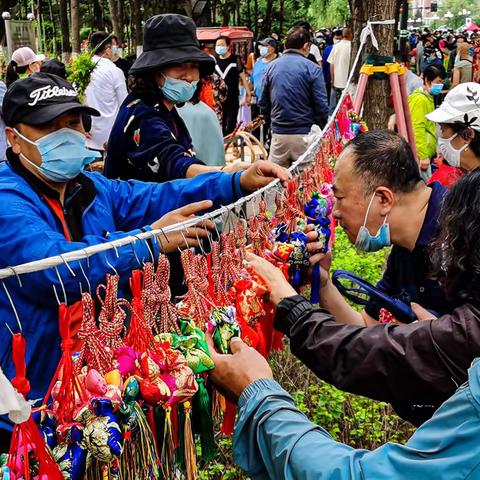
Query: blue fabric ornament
(71, 455)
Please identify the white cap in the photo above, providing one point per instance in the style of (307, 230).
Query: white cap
(461, 105)
(26, 56)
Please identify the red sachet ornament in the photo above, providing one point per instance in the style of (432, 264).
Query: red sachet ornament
(27, 442)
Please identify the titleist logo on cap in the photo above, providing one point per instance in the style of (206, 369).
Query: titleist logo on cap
(48, 91)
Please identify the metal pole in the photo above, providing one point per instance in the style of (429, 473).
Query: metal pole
(8, 34)
(403, 30)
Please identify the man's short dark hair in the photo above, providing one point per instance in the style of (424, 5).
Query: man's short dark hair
(297, 37)
(384, 158)
(100, 41)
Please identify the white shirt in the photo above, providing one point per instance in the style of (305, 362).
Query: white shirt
(315, 51)
(105, 92)
(340, 59)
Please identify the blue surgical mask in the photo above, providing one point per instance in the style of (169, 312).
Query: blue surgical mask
(116, 50)
(221, 50)
(263, 51)
(369, 243)
(64, 154)
(178, 91)
(436, 88)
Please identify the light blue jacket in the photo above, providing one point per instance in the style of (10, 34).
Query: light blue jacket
(274, 440)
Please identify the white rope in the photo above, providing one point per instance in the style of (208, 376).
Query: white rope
(85, 253)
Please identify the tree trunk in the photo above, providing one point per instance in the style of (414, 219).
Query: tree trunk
(249, 15)
(75, 18)
(98, 23)
(255, 16)
(116, 26)
(137, 25)
(54, 29)
(377, 96)
(282, 17)
(65, 31)
(121, 20)
(267, 21)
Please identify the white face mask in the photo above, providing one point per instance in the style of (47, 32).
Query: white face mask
(451, 154)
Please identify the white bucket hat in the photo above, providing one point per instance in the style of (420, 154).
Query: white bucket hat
(461, 106)
(24, 56)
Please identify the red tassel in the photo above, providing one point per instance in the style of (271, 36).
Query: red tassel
(229, 416)
(139, 336)
(71, 388)
(26, 438)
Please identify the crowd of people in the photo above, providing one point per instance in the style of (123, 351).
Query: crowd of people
(157, 127)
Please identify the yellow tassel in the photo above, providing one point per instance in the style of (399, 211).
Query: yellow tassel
(190, 460)
(168, 448)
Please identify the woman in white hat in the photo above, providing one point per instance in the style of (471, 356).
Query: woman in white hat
(24, 62)
(458, 130)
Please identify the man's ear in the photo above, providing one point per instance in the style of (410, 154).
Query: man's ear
(387, 199)
(12, 139)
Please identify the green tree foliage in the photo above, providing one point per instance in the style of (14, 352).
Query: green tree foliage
(455, 7)
(329, 13)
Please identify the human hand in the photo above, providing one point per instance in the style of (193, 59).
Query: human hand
(234, 372)
(189, 237)
(422, 313)
(236, 167)
(315, 249)
(261, 173)
(274, 278)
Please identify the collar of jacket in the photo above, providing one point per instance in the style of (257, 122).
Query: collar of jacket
(79, 182)
(80, 193)
(294, 51)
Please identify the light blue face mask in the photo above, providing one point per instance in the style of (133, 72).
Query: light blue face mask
(178, 91)
(436, 88)
(369, 243)
(64, 154)
(221, 50)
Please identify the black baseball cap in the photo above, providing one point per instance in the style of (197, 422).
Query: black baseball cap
(269, 42)
(40, 98)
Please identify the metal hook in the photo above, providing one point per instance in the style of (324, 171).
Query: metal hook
(67, 265)
(13, 307)
(63, 288)
(185, 240)
(9, 329)
(87, 257)
(116, 251)
(110, 265)
(209, 236)
(152, 256)
(200, 246)
(86, 279)
(17, 275)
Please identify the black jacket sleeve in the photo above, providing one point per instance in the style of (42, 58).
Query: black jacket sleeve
(415, 365)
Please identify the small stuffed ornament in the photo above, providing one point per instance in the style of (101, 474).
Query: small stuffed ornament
(153, 388)
(70, 452)
(223, 326)
(140, 459)
(102, 435)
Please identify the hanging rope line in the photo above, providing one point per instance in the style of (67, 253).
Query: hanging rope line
(158, 234)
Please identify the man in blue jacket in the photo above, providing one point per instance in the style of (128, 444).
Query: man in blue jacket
(294, 94)
(50, 206)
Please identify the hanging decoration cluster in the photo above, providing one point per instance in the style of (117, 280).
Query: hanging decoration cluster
(130, 399)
